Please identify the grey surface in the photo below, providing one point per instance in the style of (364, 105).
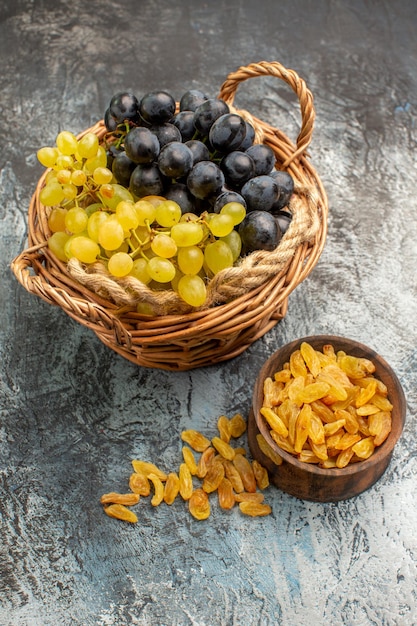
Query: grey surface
(73, 413)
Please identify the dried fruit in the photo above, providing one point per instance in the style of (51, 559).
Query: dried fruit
(261, 475)
(138, 483)
(196, 440)
(246, 472)
(214, 476)
(225, 494)
(172, 487)
(189, 459)
(233, 475)
(237, 426)
(159, 489)
(267, 450)
(128, 499)
(223, 448)
(147, 468)
(204, 461)
(246, 496)
(185, 482)
(199, 504)
(321, 406)
(119, 511)
(255, 509)
(223, 426)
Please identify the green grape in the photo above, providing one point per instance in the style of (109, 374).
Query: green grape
(140, 270)
(47, 156)
(63, 162)
(189, 217)
(220, 225)
(63, 177)
(176, 279)
(84, 249)
(111, 195)
(92, 208)
(218, 256)
(234, 242)
(95, 220)
(164, 246)
(142, 233)
(76, 220)
(78, 178)
(120, 264)
(56, 219)
(168, 213)
(88, 146)
(145, 211)
(161, 270)
(111, 233)
(124, 247)
(66, 142)
(51, 194)
(193, 290)
(187, 233)
(190, 259)
(127, 215)
(102, 175)
(56, 244)
(236, 211)
(70, 191)
(98, 160)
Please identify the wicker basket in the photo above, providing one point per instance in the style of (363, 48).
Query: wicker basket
(244, 302)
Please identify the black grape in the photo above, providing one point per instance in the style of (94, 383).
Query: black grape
(175, 160)
(259, 231)
(157, 107)
(205, 180)
(260, 193)
(141, 145)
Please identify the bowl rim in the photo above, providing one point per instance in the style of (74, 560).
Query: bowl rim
(398, 412)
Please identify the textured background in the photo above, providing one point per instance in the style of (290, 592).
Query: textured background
(73, 413)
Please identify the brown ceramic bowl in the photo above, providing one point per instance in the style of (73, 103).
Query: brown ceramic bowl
(308, 481)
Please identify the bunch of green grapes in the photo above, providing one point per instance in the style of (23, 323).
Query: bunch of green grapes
(93, 218)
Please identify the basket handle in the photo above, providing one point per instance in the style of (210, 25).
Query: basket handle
(275, 69)
(77, 308)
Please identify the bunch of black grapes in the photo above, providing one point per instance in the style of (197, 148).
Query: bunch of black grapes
(202, 157)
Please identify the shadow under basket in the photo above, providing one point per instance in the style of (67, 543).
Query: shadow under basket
(244, 302)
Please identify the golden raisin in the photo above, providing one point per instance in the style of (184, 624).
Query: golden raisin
(225, 494)
(196, 440)
(204, 461)
(246, 472)
(128, 499)
(185, 482)
(189, 459)
(214, 476)
(119, 511)
(233, 475)
(172, 487)
(148, 468)
(159, 489)
(267, 450)
(253, 496)
(138, 483)
(255, 509)
(223, 448)
(261, 475)
(223, 426)
(199, 504)
(237, 426)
